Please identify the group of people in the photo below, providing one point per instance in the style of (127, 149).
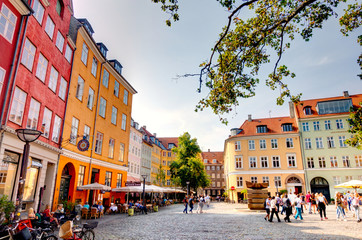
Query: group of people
(201, 200)
(294, 205)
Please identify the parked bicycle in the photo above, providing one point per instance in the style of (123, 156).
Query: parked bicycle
(75, 232)
(23, 230)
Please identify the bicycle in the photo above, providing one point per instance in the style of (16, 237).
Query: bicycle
(37, 233)
(68, 231)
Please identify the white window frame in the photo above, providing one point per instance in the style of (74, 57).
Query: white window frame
(124, 121)
(251, 144)
(266, 180)
(27, 59)
(90, 98)
(322, 162)
(327, 125)
(80, 88)
(33, 114)
(310, 162)
(116, 88)
(239, 162)
(68, 53)
(47, 119)
(292, 160)
(330, 142)
(62, 88)
(41, 69)
(84, 56)
(334, 161)
(94, 67)
(342, 140)
(102, 107)
(319, 142)
(125, 97)
(262, 144)
(38, 11)
(278, 181)
(105, 79)
(99, 143)
(56, 129)
(60, 42)
(275, 159)
(111, 148)
(254, 179)
(264, 162)
(239, 181)
(274, 143)
(17, 106)
(10, 23)
(86, 132)
(74, 131)
(346, 162)
(316, 126)
(237, 146)
(358, 160)
(49, 27)
(307, 143)
(305, 126)
(290, 141)
(114, 115)
(337, 180)
(253, 161)
(53, 79)
(339, 124)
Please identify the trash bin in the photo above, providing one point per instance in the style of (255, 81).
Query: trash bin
(155, 208)
(130, 211)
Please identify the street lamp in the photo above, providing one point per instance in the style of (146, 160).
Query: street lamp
(188, 188)
(144, 183)
(27, 136)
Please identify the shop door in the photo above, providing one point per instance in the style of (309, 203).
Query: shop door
(64, 189)
(320, 185)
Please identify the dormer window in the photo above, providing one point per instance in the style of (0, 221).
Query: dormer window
(213, 160)
(287, 127)
(307, 110)
(261, 129)
(103, 49)
(59, 8)
(171, 145)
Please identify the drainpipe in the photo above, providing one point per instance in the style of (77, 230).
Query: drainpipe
(61, 134)
(306, 182)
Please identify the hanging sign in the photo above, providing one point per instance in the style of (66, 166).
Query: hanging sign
(83, 145)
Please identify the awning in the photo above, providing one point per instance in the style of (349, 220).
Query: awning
(132, 179)
(36, 164)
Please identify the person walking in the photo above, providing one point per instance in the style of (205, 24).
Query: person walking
(191, 203)
(355, 199)
(207, 200)
(309, 202)
(267, 208)
(273, 209)
(322, 203)
(200, 205)
(339, 206)
(185, 204)
(288, 208)
(298, 206)
(313, 201)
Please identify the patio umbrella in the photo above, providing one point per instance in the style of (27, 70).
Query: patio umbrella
(95, 186)
(350, 184)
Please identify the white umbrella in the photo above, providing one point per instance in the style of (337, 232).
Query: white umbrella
(350, 184)
(95, 186)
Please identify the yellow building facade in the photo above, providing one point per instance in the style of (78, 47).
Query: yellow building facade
(98, 111)
(167, 156)
(264, 150)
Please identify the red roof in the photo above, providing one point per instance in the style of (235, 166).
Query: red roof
(219, 156)
(166, 140)
(356, 99)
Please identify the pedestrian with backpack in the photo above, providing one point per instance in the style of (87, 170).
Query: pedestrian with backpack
(185, 201)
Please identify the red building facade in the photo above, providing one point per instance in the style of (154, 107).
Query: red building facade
(37, 98)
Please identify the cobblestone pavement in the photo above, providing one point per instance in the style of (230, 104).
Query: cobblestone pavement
(223, 221)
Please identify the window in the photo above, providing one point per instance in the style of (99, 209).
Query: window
(322, 162)
(108, 179)
(346, 162)
(264, 162)
(62, 88)
(53, 79)
(334, 162)
(287, 127)
(68, 53)
(125, 97)
(238, 162)
(60, 42)
(111, 148)
(237, 146)
(56, 129)
(327, 124)
(266, 180)
(310, 162)
(274, 143)
(289, 142)
(251, 145)
(121, 152)
(17, 106)
(339, 123)
(86, 132)
(218, 168)
(47, 119)
(116, 88)
(305, 127)
(81, 172)
(99, 142)
(348, 178)
(336, 180)
(276, 162)
(207, 167)
(252, 162)
(358, 159)
(213, 175)
(94, 67)
(59, 8)
(124, 121)
(31, 182)
(307, 143)
(74, 131)
(105, 78)
(335, 106)
(319, 142)
(84, 56)
(212, 167)
(119, 180)
(114, 115)
(308, 110)
(262, 144)
(80, 88)
(2, 77)
(261, 129)
(102, 107)
(214, 161)
(49, 27)
(291, 161)
(278, 181)
(38, 11)
(7, 23)
(41, 69)
(254, 179)
(342, 140)
(33, 115)
(90, 98)
(316, 126)
(330, 142)
(28, 55)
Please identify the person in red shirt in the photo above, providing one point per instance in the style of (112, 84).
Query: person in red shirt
(48, 215)
(309, 202)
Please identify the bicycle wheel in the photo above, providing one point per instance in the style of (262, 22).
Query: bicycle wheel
(88, 235)
(50, 237)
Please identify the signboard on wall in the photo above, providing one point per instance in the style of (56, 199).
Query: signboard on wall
(131, 183)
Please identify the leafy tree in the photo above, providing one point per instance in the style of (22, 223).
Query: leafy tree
(161, 176)
(188, 166)
(355, 122)
(245, 45)
(7, 208)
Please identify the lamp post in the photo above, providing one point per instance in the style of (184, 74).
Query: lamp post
(144, 195)
(188, 188)
(27, 136)
(276, 185)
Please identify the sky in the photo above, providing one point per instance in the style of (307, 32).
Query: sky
(153, 55)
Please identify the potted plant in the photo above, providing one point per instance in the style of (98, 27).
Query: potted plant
(6, 213)
(68, 207)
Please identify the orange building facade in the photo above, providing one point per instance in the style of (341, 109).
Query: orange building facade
(98, 111)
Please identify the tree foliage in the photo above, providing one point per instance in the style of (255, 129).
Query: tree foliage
(355, 122)
(160, 176)
(245, 45)
(188, 165)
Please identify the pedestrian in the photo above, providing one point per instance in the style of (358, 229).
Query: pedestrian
(339, 206)
(313, 201)
(191, 203)
(355, 205)
(200, 205)
(273, 209)
(299, 206)
(267, 208)
(284, 202)
(309, 202)
(322, 203)
(278, 201)
(301, 195)
(207, 200)
(288, 209)
(185, 204)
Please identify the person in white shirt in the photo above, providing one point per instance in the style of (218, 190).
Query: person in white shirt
(298, 206)
(322, 203)
(267, 208)
(207, 200)
(355, 205)
(273, 209)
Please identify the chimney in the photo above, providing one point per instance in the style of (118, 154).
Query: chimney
(291, 109)
(249, 118)
(345, 94)
(155, 134)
